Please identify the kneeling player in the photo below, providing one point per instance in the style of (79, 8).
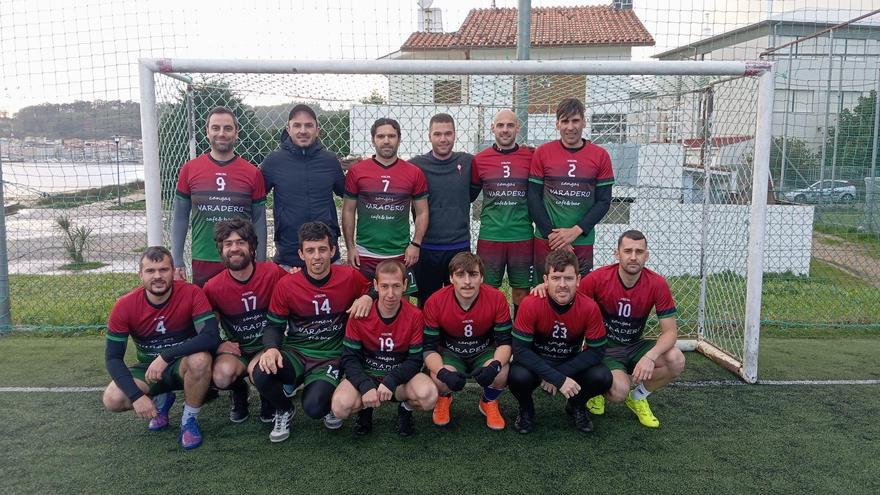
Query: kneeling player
(558, 344)
(314, 305)
(467, 333)
(626, 292)
(383, 356)
(175, 332)
(240, 295)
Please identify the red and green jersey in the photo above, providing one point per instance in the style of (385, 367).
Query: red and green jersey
(626, 310)
(157, 328)
(558, 336)
(472, 331)
(243, 306)
(218, 191)
(384, 196)
(504, 178)
(570, 179)
(386, 344)
(315, 315)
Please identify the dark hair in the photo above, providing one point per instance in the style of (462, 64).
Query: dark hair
(244, 229)
(314, 231)
(155, 254)
(442, 118)
(465, 261)
(391, 266)
(384, 121)
(569, 107)
(222, 110)
(559, 260)
(635, 235)
(302, 108)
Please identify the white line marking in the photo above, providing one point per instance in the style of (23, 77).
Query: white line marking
(51, 389)
(729, 383)
(686, 384)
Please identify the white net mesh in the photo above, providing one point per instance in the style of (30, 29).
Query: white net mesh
(681, 148)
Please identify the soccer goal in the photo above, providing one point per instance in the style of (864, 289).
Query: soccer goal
(689, 141)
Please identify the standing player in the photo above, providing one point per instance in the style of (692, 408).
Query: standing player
(448, 175)
(304, 176)
(383, 356)
(313, 304)
(240, 295)
(467, 333)
(174, 331)
(626, 291)
(220, 185)
(569, 189)
(379, 193)
(558, 344)
(502, 173)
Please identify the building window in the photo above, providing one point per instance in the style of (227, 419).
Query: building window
(608, 128)
(447, 92)
(793, 101)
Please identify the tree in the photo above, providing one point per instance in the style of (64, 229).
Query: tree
(800, 164)
(187, 118)
(855, 134)
(375, 98)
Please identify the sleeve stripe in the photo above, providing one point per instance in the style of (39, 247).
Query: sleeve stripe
(350, 195)
(420, 196)
(432, 331)
(536, 180)
(116, 338)
(181, 195)
(415, 350)
(596, 343)
(666, 313)
(260, 201)
(351, 344)
(503, 327)
(203, 317)
(606, 182)
(523, 336)
(275, 318)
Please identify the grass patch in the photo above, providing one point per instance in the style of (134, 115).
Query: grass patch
(82, 266)
(793, 442)
(91, 195)
(139, 205)
(66, 302)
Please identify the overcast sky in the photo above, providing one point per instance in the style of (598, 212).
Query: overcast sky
(58, 50)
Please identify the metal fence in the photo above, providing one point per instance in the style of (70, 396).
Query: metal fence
(69, 85)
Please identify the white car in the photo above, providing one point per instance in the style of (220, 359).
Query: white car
(827, 191)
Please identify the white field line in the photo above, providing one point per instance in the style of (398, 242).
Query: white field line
(686, 384)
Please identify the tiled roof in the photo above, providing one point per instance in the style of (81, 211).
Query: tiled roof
(551, 26)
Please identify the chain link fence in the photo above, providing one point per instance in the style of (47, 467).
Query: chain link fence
(69, 86)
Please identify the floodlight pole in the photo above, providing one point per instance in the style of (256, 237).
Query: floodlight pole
(758, 225)
(116, 138)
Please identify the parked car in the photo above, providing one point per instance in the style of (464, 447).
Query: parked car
(827, 191)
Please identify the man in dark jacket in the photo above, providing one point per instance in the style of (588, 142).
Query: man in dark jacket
(304, 176)
(449, 176)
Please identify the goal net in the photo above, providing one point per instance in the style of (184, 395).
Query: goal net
(685, 140)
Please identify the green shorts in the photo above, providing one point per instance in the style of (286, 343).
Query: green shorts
(308, 369)
(625, 357)
(171, 379)
(466, 364)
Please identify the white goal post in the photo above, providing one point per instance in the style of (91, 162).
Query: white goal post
(679, 127)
